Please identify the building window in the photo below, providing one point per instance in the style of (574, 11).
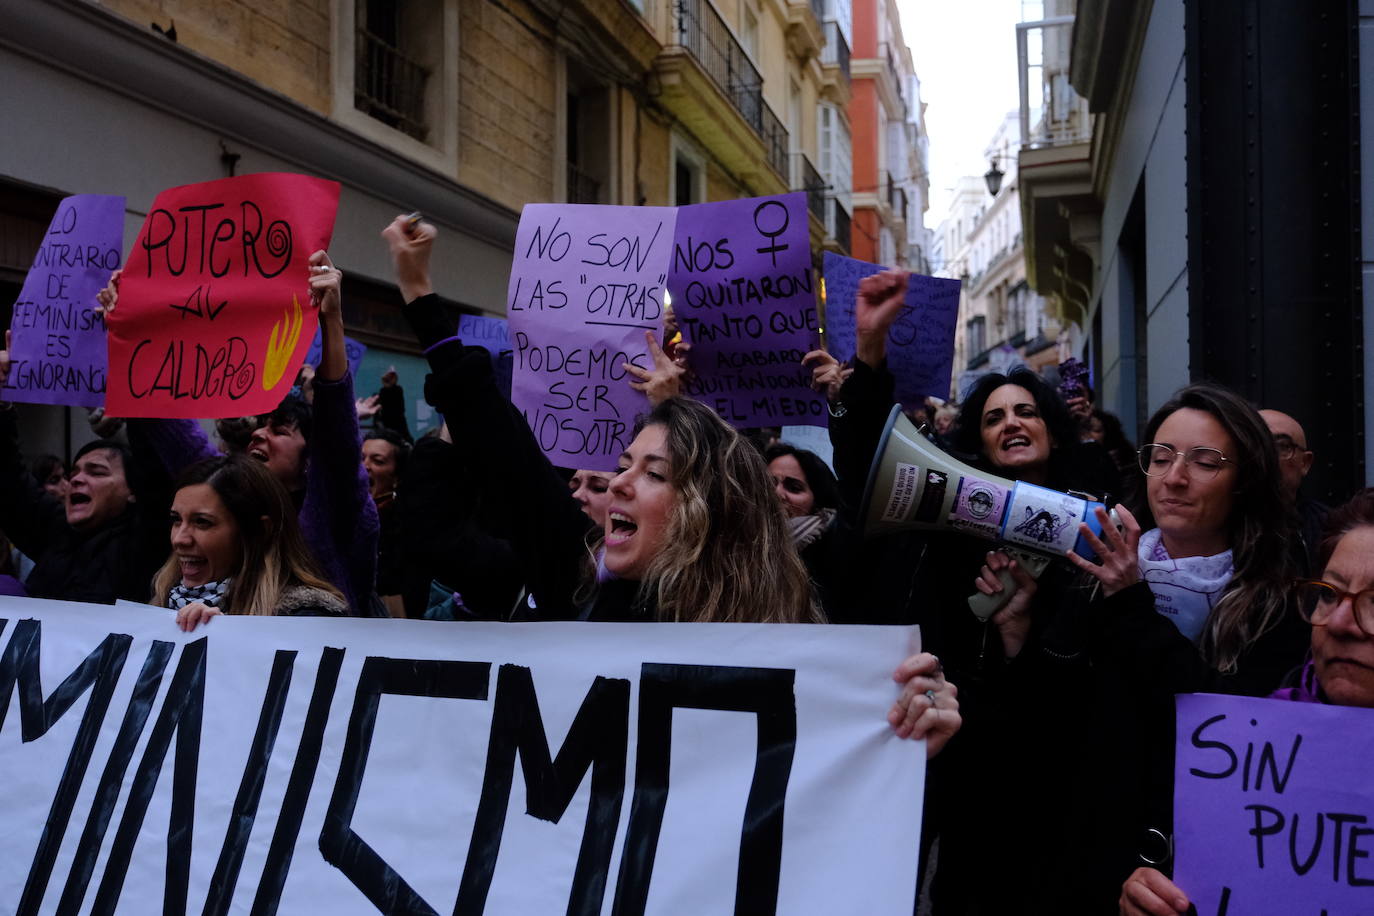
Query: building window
(588, 136)
(688, 176)
(977, 337)
(389, 70)
(395, 68)
(749, 31)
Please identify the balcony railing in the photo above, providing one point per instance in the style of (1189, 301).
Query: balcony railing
(389, 86)
(894, 73)
(840, 230)
(1052, 113)
(805, 177)
(896, 198)
(582, 188)
(703, 33)
(836, 50)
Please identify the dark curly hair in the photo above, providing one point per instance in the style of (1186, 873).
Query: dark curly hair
(967, 437)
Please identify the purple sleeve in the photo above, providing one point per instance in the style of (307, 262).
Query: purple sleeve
(179, 443)
(338, 517)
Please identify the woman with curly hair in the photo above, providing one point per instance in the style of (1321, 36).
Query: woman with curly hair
(693, 531)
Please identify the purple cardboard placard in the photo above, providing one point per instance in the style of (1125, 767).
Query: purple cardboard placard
(354, 350)
(1274, 807)
(920, 345)
(586, 284)
(492, 335)
(745, 298)
(58, 353)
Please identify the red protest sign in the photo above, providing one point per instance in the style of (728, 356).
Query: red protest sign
(214, 315)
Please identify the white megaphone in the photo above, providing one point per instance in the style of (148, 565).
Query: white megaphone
(913, 485)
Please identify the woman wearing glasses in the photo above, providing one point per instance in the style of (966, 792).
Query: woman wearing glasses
(1212, 554)
(1193, 596)
(1340, 609)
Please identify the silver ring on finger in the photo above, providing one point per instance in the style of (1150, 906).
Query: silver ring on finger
(930, 695)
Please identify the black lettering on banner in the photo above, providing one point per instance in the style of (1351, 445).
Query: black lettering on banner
(182, 712)
(112, 779)
(339, 844)
(245, 810)
(766, 692)
(597, 740)
(278, 864)
(99, 672)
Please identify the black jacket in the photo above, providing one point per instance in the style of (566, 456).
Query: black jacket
(117, 560)
(525, 501)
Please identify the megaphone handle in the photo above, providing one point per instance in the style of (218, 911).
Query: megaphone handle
(984, 606)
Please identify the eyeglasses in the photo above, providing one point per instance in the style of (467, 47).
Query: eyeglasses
(1317, 601)
(1287, 448)
(1158, 460)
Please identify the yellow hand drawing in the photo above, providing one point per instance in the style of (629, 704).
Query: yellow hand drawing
(281, 344)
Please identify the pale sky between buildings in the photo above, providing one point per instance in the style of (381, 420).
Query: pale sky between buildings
(964, 52)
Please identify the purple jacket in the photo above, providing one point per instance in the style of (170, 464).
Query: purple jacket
(338, 518)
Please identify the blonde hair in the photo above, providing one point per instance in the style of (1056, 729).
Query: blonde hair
(728, 555)
(272, 553)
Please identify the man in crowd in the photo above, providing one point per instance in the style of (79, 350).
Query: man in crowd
(1295, 460)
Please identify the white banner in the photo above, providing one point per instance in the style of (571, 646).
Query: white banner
(281, 765)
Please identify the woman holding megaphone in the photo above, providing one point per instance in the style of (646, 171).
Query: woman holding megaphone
(991, 798)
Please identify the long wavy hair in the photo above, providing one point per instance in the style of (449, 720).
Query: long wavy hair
(727, 555)
(272, 553)
(1259, 529)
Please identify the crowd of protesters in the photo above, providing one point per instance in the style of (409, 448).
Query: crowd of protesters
(1215, 573)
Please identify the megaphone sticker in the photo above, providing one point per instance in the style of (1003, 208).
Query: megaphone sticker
(1044, 519)
(902, 493)
(978, 507)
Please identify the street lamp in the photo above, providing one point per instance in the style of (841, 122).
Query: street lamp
(993, 177)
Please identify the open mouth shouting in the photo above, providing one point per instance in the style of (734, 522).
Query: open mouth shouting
(194, 568)
(1018, 441)
(620, 528)
(258, 452)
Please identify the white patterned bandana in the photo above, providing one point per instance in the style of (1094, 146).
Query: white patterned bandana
(1186, 589)
(210, 594)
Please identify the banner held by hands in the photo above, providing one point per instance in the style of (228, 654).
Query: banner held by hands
(57, 352)
(214, 315)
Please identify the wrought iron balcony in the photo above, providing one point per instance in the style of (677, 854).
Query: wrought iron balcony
(836, 51)
(839, 228)
(805, 177)
(582, 188)
(704, 34)
(389, 86)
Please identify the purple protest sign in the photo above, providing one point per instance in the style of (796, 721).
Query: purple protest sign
(1272, 804)
(492, 335)
(352, 349)
(920, 345)
(58, 343)
(744, 295)
(586, 284)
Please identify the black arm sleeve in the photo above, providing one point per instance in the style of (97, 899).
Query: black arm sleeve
(545, 527)
(864, 403)
(28, 514)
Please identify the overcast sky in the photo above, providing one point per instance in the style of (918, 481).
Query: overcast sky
(965, 56)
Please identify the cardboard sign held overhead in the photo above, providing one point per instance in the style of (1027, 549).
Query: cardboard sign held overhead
(920, 344)
(58, 350)
(214, 315)
(586, 284)
(744, 295)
